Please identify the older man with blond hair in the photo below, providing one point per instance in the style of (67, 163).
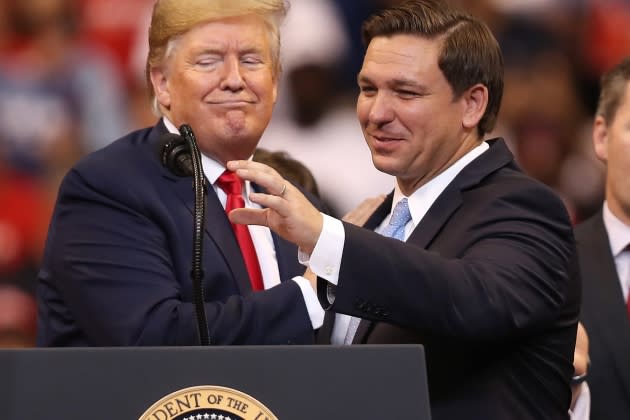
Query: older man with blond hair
(116, 270)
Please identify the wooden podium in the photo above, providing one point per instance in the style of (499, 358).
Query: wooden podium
(226, 383)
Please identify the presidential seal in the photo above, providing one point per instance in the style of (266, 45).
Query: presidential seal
(208, 403)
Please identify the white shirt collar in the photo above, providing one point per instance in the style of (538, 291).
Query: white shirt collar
(212, 169)
(618, 232)
(424, 197)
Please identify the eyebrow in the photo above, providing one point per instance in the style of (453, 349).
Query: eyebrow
(220, 50)
(395, 83)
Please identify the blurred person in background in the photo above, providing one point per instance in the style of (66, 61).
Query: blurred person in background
(290, 168)
(23, 223)
(544, 117)
(18, 317)
(604, 40)
(4, 26)
(314, 122)
(59, 97)
(113, 25)
(604, 251)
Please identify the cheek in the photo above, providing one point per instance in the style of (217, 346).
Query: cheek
(363, 110)
(262, 84)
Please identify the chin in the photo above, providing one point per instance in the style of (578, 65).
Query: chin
(385, 167)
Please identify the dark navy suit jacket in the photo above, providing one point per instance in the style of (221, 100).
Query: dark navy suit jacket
(487, 282)
(116, 269)
(605, 318)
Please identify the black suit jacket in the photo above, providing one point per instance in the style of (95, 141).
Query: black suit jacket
(486, 282)
(605, 318)
(116, 269)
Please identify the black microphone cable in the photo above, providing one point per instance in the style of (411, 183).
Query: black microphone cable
(180, 154)
(199, 187)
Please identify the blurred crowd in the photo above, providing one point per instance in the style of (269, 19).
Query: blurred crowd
(72, 80)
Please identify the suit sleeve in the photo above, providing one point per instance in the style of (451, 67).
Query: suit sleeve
(506, 271)
(110, 261)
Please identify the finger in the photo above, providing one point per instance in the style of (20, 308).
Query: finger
(276, 203)
(260, 174)
(233, 165)
(247, 216)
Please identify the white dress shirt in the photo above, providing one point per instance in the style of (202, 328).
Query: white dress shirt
(262, 239)
(619, 237)
(582, 407)
(326, 257)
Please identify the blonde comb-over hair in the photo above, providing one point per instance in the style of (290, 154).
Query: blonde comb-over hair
(173, 18)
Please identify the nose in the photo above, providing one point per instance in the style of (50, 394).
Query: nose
(380, 109)
(232, 79)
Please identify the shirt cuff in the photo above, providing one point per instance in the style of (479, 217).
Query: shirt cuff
(325, 260)
(314, 308)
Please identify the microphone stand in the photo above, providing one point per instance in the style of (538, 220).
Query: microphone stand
(196, 272)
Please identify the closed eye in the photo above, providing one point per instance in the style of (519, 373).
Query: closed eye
(367, 90)
(407, 94)
(251, 60)
(207, 61)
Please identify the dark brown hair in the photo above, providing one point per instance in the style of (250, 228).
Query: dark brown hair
(470, 54)
(613, 88)
(291, 169)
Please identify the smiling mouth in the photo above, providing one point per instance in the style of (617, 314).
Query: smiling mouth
(231, 103)
(385, 137)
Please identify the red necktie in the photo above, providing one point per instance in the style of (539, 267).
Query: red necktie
(627, 249)
(231, 184)
(628, 274)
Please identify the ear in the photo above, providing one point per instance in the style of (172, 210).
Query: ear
(159, 80)
(474, 101)
(274, 92)
(600, 138)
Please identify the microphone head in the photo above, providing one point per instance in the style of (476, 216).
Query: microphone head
(175, 154)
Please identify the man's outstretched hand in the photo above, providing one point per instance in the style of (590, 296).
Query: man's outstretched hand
(285, 210)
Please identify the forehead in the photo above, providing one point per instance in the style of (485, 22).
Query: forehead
(239, 33)
(402, 53)
(622, 111)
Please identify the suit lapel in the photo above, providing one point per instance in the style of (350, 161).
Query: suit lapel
(608, 304)
(451, 199)
(436, 217)
(217, 225)
(444, 206)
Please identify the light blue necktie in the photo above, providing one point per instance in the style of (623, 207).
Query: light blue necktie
(400, 217)
(395, 229)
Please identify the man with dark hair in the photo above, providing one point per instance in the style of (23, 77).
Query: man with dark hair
(603, 244)
(467, 255)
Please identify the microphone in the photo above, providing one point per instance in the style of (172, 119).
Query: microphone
(175, 155)
(181, 155)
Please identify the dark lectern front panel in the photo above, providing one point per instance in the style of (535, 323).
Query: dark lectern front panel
(294, 382)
